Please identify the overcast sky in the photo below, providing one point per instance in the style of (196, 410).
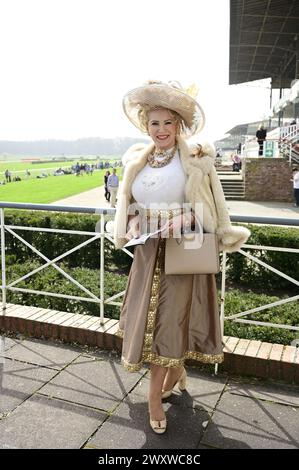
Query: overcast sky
(66, 64)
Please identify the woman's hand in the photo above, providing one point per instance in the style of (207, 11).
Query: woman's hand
(133, 228)
(177, 223)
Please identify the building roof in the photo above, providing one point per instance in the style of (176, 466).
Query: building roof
(241, 129)
(249, 128)
(264, 40)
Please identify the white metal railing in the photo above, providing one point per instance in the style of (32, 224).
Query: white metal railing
(288, 136)
(283, 147)
(99, 233)
(236, 317)
(282, 140)
(102, 235)
(289, 132)
(288, 149)
(251, 148)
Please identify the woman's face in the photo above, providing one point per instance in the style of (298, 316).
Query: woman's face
(162, 128)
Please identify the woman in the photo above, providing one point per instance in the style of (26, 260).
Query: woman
(167, 319)
(295, 181)
(107, 193)
(261, 135)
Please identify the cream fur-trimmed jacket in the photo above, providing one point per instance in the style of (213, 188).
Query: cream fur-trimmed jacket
(202, 186)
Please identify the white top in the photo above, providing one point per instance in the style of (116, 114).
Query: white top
(153, 186)
(296, 180)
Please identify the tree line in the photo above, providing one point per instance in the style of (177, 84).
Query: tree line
(84, 146)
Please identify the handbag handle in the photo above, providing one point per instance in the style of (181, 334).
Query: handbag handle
(190, 236)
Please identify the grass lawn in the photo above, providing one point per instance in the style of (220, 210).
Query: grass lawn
(53, 188)
(36, 168)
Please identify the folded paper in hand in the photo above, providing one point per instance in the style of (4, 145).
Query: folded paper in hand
(142, 239)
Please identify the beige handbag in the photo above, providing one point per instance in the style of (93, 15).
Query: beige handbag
(181, 260)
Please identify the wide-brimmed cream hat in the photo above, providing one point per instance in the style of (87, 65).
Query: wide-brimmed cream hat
(166, 95)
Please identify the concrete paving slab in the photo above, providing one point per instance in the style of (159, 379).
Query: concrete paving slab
(7, 343)
(18, 381)
(103, 354)
(240, 422)
(214, 412)
(93, 382)
(44, 423)
(278, 393)
(48, 354)
(129, 428)
(203, 390)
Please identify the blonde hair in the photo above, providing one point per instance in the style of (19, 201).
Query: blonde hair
(143, 116)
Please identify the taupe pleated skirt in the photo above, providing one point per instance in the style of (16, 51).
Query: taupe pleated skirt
(166, 319)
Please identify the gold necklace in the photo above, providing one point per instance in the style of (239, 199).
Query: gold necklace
(167, 157)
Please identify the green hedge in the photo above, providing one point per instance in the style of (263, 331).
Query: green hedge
(246, 273)
(50, 280)
(235, 301)
(54, 244)
(84, 266)
(240, 270)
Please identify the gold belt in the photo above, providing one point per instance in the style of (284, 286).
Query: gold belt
(163, 213)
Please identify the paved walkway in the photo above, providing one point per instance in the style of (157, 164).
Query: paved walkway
(264, 209)
(91, 198)
(60, 396)
(95, 198)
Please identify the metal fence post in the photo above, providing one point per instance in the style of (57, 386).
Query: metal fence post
(102, 267)
(223, 274)
(222, 293)
(3, 264)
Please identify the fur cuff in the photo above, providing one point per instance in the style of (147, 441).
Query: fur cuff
(232, 239)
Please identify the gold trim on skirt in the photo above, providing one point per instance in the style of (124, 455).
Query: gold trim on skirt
(170, 362)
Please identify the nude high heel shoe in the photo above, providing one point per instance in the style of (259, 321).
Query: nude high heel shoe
(182, 381)
(159, 427)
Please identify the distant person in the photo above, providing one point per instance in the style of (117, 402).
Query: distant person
(261, 135)
(77, 169)
(42, 175)
(107, 193)
(7, 176)
(27, 174)
(295, 180)
(113, 183)
(236, 162)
